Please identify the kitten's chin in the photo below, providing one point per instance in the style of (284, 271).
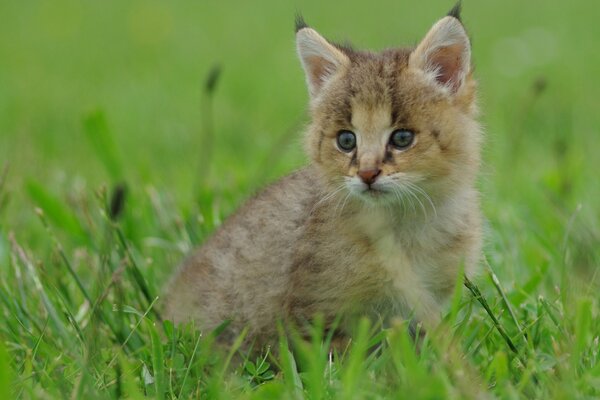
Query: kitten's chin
(375, 196)
(371, 195)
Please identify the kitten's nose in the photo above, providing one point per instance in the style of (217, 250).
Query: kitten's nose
(369, 176)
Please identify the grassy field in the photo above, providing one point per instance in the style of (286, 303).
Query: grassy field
(130, 130)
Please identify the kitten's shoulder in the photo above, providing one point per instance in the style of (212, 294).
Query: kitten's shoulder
(303, 181)
(296, 190)
(284, 204)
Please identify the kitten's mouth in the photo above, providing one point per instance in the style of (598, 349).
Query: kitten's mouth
(370, 193)
(373, 192)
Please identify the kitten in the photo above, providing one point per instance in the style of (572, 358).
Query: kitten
(384, 217)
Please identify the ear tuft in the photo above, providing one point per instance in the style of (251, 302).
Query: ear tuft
(456, 10)
(300, 23)
(444, 53)
(320, 59)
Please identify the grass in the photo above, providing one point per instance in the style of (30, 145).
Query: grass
(108, 114)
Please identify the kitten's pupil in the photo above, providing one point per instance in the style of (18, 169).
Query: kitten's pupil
(401, 138)
(346, 141)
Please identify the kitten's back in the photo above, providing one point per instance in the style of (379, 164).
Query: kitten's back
(244, 267)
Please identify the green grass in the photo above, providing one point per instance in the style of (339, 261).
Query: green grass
(117, 156)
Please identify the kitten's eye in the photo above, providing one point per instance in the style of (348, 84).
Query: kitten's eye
(402, 138)
(346, 140)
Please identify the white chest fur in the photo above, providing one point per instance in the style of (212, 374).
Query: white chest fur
(402, 265)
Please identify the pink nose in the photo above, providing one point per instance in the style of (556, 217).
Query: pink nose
(369, 176)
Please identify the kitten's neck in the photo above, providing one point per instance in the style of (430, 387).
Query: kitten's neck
(411, 210)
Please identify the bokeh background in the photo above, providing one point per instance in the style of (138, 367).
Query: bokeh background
(95, 93)
(140, 68)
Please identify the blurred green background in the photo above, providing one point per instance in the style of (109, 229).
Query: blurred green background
(141, 65)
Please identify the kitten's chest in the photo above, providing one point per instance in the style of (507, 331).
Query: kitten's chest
(398, 252)
(388, 250)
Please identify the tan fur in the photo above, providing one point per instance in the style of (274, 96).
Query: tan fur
(316, 242)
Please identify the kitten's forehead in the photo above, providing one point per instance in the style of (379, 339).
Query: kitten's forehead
(374, 89)
(371, 119)
(373, 76)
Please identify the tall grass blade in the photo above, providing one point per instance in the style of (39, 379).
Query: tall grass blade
(507, 304)
(158, 362)
(208, 129)
(479, 297)
(64, 257)
(355, 366)
(288, 366)
(5, 373)
(135, 270)
(103, 143)
(48, 304)
(54, 209)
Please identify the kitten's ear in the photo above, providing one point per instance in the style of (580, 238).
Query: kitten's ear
(445, 52)
(320, 59)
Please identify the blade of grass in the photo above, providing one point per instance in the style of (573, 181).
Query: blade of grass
(208, 134)
(56, 211)
(234, 348)
(63, 256)
(189, 366)
(135, 270)
(354, 367)
(456, 298)
(38, 341)
(475, 349)
(3, 176)
(38, 286)
(122, 346)
(99, 135)
(582, 334)
(288, 365)
(96, 307)
(479, 297)
(130, 386)
(507, 304)
(70, 317)
(5, 373)
(158, 361)
(17, 316)
(548, 308)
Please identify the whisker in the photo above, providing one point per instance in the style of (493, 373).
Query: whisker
(328, 196)
(424, 194)
(344, 203)
(399, 196)
(411, 192)
(337, 203)
(404, 192)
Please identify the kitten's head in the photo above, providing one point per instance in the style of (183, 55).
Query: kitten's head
(391, 123)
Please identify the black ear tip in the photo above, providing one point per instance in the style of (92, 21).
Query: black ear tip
(456, 10)
(300, 23)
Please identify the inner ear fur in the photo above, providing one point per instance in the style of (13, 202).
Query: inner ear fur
(445, 52)
(320, 59)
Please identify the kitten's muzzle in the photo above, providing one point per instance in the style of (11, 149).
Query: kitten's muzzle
(369, 176)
